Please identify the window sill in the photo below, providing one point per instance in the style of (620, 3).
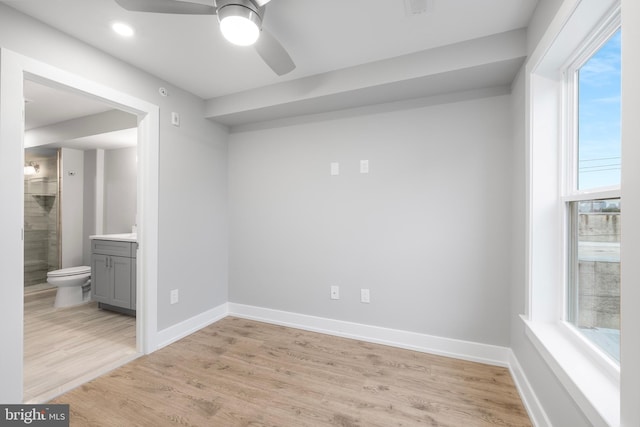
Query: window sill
(593, 388)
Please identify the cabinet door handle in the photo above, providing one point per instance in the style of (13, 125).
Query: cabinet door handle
(106, 262)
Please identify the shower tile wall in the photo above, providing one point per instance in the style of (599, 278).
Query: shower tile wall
(41, 248)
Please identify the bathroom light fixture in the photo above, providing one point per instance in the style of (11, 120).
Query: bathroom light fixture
(31, 168)
(122, 29)
(240, 22)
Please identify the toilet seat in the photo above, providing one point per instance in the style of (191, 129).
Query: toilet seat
(70, 271)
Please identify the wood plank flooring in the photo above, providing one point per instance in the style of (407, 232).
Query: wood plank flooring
(65, 347)
(238, 372)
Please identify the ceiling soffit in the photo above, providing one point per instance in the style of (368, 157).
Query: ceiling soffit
(486, 62)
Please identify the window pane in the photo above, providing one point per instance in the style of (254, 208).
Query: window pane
(594, 294)
(599, 118)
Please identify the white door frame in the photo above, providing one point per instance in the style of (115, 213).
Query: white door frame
(14, 68)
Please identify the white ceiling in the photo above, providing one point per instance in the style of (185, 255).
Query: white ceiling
(46, 106)
(107, 141)
(320, 35)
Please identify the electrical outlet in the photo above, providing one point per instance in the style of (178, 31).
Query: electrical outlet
(335, 292)
(174, 296)
(365, 297)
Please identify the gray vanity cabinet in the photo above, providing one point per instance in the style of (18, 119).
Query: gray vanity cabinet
(113, 274)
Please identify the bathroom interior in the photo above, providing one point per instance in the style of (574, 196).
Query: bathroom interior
(80, 204)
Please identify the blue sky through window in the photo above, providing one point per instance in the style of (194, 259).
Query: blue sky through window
(599, 117)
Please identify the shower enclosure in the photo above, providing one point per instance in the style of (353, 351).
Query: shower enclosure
(41, 214)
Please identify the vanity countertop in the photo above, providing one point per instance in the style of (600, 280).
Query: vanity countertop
(122, 237)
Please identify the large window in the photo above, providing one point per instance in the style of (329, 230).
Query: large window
(574, 203)
(592, 192)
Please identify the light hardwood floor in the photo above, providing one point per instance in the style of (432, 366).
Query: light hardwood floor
(238, 372)
(66, 347)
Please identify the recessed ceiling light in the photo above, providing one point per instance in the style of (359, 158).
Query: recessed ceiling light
(122, 29)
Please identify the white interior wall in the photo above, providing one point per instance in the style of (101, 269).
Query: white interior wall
(426, 230)
(71, 215)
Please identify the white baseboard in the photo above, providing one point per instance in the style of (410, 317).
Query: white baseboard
(189, 326)
(466, 350)
(529, 399)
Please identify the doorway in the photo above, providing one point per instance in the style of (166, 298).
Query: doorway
(14, 69)
(80, 181)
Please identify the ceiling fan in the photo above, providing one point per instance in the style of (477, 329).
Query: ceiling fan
(240, 23)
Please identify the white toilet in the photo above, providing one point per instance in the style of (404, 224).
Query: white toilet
(74, 285)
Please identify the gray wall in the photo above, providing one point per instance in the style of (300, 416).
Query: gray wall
(71, 215)
(89, 208)
(193, 220)
(120, 195)
(119, 190)
(426, 230)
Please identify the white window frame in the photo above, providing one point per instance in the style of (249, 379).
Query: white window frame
(570, 122)
(569, 167)
(591, 378)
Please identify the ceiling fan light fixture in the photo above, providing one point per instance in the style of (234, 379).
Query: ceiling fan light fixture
(239, 25)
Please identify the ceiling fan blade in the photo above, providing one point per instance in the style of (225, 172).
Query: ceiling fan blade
(167, 6)
(261, 2)
(272, 52)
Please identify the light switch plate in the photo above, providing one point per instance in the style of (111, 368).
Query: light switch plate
(365, 296)
(364, 166)
(335, 168)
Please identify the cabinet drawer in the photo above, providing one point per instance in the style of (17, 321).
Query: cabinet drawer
(113, 247)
